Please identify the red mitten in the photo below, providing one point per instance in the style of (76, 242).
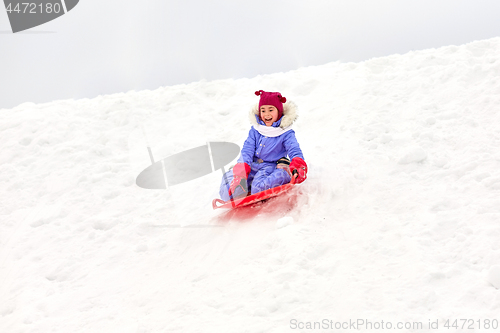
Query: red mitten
(299, 165)
(240, 175)
(241, 170)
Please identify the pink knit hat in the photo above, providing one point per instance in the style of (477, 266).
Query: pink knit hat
(271, 98)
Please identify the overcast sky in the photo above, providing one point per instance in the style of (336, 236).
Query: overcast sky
(103, 47)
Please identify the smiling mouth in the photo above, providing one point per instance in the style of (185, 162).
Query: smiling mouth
(268, 120)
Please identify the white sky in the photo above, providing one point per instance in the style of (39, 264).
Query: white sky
(103, 47)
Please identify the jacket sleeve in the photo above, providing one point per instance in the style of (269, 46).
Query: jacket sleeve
(248, 150)
(292, 146)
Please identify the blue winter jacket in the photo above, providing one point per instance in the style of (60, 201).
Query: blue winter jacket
(269, 149)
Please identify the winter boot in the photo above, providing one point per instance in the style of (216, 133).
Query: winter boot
(284, 163)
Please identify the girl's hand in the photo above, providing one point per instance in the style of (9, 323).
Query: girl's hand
(299, 165)
(241, 170)
(240, 175)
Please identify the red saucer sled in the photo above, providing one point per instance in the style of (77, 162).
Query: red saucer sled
(250, 199)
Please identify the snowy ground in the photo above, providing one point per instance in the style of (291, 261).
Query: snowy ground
(397, 222)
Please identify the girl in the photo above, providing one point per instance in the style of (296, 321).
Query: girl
(263, 163)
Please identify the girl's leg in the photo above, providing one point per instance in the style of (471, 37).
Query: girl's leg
(269, 177)
(224, 185)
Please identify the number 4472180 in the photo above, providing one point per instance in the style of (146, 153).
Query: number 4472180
(33, 8)
(471, 324)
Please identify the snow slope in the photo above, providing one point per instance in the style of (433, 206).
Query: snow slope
(398, 220)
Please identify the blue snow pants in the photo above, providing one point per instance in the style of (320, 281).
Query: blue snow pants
(262, 176)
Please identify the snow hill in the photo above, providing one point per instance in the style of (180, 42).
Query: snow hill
(398, 221)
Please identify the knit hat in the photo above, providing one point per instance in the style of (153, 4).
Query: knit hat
(271, 98)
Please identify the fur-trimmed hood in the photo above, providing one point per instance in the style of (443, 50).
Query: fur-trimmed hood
(289, 115)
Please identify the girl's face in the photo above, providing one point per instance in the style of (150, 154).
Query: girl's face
(268, 114)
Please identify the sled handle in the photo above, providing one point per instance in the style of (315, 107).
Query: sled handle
(295, 174)
(216, 201)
